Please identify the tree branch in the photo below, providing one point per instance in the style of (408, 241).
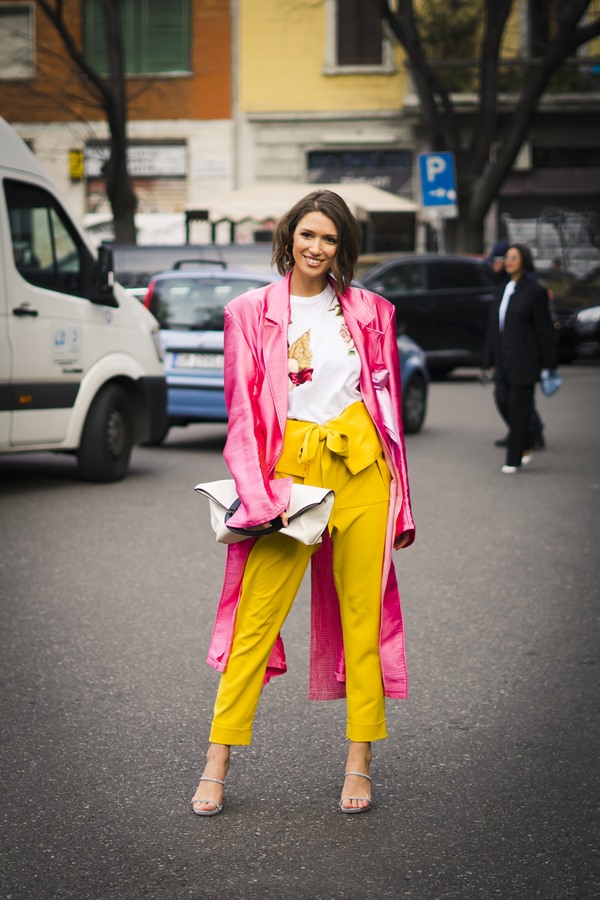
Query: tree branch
(497, 15)
(534, 87)
(55, 14)
(442, 131)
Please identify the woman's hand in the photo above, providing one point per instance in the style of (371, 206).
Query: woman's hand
(258, 528)
(402, 540)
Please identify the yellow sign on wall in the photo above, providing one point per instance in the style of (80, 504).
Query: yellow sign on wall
(76, 165)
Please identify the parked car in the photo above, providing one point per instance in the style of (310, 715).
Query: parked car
(587, 332)
(571, 319)
(584, 302)
(136, 264)
(188, 304)
(442, 302)
(80, 368)
(558, 283)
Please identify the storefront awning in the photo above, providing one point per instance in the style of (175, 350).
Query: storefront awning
(269, 201)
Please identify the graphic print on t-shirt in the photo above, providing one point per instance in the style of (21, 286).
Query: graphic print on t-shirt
(344, 330)
(299, 360)
(300, 354)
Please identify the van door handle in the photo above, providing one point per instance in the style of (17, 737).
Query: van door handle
(24, 311)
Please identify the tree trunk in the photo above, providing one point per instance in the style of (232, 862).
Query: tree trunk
(118, 183)
(464, 235)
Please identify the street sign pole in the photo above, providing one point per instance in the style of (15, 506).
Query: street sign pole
(438, 191)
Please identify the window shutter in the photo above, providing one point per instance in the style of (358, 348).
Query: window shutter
(95, 42)
(156, 36)
(166, 36)
(359, 33)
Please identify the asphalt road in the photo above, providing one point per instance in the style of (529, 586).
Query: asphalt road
(488, 784)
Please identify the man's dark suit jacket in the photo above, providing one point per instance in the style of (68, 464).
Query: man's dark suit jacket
(528, 342)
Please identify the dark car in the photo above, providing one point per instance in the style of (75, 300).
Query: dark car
(584, 302)
(442, 302)
(188, 304)
(558, 283)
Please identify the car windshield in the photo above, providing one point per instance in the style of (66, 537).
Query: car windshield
(196, 304)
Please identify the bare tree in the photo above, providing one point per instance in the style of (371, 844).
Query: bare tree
(480, 173)
(112, 94)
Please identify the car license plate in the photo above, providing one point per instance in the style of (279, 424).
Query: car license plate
(198, 360)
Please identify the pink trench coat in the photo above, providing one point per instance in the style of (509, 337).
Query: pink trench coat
(256, 393)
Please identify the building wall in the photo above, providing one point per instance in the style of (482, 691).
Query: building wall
(57, 112)
(290, 100)
(282, 63)
(59, 92)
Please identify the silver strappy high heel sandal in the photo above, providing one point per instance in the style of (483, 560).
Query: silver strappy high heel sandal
(356, 809)
(208, 812)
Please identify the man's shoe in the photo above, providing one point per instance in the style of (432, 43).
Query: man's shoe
(501, 442)
(509, 470)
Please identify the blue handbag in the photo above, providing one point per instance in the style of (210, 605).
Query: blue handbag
(550, 382)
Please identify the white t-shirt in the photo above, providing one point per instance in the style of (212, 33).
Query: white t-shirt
(508, 292)
(323, 364)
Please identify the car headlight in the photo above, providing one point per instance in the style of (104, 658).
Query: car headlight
(589, 316)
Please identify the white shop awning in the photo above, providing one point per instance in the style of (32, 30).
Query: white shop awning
(263, 202)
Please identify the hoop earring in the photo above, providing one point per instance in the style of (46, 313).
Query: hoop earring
(289, 259)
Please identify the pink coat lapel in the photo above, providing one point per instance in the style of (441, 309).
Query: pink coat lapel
(276, 321)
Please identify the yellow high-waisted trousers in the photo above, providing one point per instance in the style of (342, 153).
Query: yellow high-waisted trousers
(325, 456)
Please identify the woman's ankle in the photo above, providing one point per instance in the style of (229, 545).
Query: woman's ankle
(359, 752)
(218, 755)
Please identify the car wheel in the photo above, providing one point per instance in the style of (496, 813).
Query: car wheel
(439, 372)
(414, 403)
(155, 442)
(107, 437)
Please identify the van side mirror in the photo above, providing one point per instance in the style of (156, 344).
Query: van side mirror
(103, 278)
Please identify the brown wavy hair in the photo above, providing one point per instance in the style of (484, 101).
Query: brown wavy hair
(349, 232)
(525, 254)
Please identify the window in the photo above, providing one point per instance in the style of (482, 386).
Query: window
(403, 279)
(156, 36)
(453, 276)
(355, 37)
(16, 41)
(45, 249)
(390, 170)
(566, 157)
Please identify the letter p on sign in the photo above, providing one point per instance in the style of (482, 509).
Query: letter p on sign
(434, 166)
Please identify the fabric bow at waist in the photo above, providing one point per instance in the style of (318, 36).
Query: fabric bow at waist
(336, 441)
(351, 436)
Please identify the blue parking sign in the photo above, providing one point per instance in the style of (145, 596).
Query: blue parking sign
(438, 180)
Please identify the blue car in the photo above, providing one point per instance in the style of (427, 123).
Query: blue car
(188, 304)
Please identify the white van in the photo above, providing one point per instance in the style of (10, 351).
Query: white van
(80, 361)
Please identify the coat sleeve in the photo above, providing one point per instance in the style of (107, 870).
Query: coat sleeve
(262, 499)
(544, 329)
(391, 359)
(487, 354)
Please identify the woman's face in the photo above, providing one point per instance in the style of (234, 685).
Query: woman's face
(513, 263)
(314, 247)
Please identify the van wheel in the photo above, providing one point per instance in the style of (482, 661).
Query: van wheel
(107, 437)
(414, 404)
(157, 441)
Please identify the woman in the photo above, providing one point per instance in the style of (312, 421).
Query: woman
(312, 385)
(520, 343)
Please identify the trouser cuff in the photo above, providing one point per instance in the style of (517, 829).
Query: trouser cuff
(375, 732)
(220, 734)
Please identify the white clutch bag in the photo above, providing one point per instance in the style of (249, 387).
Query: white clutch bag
(308, 512)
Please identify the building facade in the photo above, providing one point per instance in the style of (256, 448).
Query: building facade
(179, 94)
(323, 95)
(224, 94)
